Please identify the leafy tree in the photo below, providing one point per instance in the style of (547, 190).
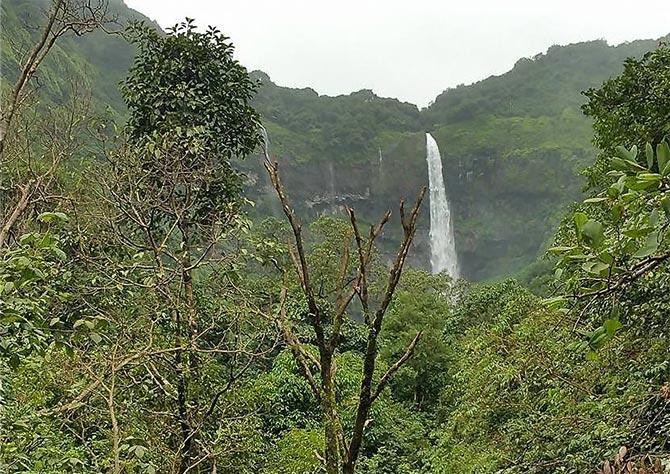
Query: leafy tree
(631, 109)
(423, 304)
(187, 84)
(170, 200)
(32, 293)
(617, 238)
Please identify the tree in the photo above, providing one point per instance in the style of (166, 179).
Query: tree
(326, 319)
(173, 203)
(32, 293)
(423, 303)
(632, 108)
(618, 237)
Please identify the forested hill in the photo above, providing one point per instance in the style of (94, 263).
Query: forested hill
(92, 63)
(153, 320)
(512, 144)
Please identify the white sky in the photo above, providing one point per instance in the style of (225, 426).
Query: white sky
(412, 49)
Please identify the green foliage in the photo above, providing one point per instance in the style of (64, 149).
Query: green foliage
(618, 236)
(295, 453)
(523, 400)
(423, 303)
(308, 127)
(32, 289)
(498, 383)
(630, 110)
(187, 83)
(189, 114)
(94, 63)
(511, 143)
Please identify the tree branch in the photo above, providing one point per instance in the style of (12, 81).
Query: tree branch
(296, 226)
(395, 367)
(365, 397)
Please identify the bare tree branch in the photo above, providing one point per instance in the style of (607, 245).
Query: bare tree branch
(395, 367)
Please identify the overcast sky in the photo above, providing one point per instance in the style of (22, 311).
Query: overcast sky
(411, 49)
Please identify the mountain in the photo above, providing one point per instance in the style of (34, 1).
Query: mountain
(512, 145)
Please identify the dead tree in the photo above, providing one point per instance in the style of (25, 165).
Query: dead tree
(77, 17)
(342, 449)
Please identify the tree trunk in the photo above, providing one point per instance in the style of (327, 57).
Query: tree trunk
(330, 420)
(182, 409)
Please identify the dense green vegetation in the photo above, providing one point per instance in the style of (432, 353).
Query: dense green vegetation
(505, 140)
(152, 321)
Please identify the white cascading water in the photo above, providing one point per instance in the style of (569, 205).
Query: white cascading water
(442, 244)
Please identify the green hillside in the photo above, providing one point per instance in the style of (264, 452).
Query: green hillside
(512, 144)
(94, 63)
(512, 147)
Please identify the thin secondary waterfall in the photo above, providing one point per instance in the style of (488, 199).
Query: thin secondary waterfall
(274, 203)
(380, 173)
(442, 244)
(333, 194)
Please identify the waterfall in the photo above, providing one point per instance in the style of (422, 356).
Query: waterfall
(333, 194)
(380, 171)
(442, 245)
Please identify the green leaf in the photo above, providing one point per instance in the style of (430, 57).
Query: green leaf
(613, 191)
(650, 246)
(639, 232)
(624, 154)
(555, 302)
(593, 234)
(649, 152)
(612, 326)
(617, 213)
(140, 451)
(595, 267)
(52, 216)
(594, 200)
(598, 338)
(665, 203)
(626, 165)
(579, 218)
(663, 157)
(59, 253)
(95, 337)
(560, 249)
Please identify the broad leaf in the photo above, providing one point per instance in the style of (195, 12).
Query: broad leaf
(663, 157)
(649, 152)
(593, 234)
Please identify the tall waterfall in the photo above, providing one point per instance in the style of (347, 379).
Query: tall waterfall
(442, 245)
